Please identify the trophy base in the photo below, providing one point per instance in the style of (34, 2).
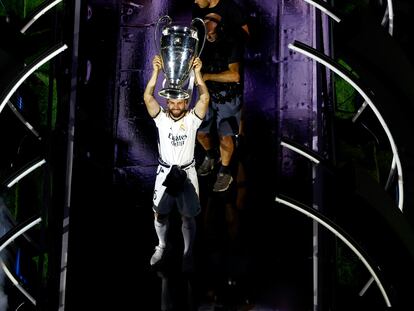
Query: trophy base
(170, 93)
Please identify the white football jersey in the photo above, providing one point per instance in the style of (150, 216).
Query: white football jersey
(176, 138)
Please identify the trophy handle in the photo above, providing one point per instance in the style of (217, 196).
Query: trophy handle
(197, 19)
(164, 18)
(191, 84)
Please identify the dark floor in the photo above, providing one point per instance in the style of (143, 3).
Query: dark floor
(250, 254)
(242, 260)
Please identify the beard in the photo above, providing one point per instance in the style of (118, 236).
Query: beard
(177, 113)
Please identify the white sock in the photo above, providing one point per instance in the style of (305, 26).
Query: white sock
(161, 229)
(188, 228)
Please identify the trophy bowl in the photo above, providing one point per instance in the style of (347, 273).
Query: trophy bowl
(178, 47)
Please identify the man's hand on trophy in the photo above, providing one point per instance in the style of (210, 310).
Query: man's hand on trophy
(197, 64)
(157, 63)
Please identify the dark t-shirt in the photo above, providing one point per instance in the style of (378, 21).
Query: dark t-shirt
(216, 57)
(233, 17)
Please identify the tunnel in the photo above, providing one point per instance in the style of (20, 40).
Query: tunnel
(319, 215)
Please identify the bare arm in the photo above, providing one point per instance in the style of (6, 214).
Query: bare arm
(153, 107)
(230, 75)
(201, 105)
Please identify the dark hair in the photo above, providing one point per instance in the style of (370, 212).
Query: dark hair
(220, 26)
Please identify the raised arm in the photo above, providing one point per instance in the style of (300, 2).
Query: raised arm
(201, 105)
(153, 107)
(230, 75)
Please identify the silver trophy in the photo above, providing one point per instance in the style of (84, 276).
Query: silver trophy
(178, 47)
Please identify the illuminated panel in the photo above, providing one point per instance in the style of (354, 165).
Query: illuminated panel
(48, 55)
(389, 14)
(23, 120)
(300, 150)
(323, 6)
(15, 232)
(337, 232)
(343, 73)
(25, 171)
(40, 11)
(16, 283)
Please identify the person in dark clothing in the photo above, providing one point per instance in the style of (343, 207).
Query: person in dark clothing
(222, 58)
(219, 136)
(233, 17)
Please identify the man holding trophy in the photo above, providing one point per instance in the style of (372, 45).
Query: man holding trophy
(176, 182)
